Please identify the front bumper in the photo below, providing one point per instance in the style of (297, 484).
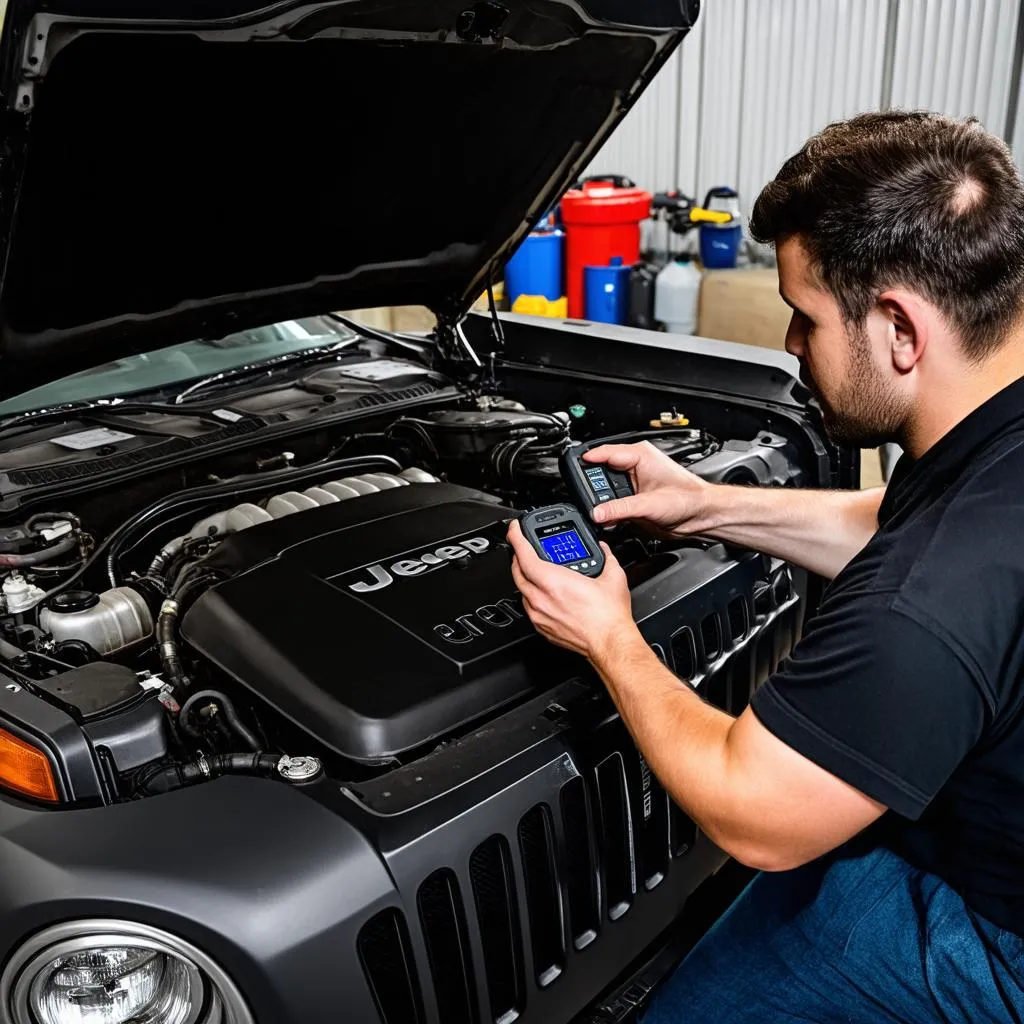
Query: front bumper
(507, 877)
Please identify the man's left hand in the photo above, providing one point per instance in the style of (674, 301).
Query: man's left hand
(574, 611)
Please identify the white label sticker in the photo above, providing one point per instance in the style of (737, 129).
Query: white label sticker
(86, 439)
(383, 369)
(227, 415)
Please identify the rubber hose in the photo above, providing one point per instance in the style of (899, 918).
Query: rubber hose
(185, 593)
(170, 659)
(180, 775)
(62, 547)
(227, 708)
(165, 556)
(51, 517)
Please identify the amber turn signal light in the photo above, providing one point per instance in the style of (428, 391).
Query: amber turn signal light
(26, 769)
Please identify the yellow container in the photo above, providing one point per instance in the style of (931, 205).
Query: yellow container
(538, 305)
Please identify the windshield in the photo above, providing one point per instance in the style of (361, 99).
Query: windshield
(178, 364)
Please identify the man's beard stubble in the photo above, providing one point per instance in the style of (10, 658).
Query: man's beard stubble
(866, 412)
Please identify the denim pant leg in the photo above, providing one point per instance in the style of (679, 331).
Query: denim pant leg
(855, 937)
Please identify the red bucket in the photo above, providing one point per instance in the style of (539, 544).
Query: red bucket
(601, 222)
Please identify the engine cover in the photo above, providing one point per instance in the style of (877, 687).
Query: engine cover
(375, 625)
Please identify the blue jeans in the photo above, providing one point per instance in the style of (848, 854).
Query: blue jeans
(856, 936)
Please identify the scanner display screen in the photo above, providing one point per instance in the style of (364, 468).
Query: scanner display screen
(564, 546)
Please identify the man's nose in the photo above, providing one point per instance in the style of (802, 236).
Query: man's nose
(795, 338)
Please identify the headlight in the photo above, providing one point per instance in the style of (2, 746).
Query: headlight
(116, 972)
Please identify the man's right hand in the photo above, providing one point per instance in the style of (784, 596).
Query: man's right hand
(669, 500)
(819, 530)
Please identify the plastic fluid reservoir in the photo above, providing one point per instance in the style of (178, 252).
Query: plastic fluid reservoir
(676, 297)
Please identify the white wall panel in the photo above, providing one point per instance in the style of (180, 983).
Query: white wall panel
(755, 78)
(1018, 128)
(806, 63)
(956, 56)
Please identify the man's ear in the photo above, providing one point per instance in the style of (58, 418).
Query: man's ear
(908, 326)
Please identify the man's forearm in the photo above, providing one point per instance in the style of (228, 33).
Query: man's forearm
(818, 530)
(686, 744)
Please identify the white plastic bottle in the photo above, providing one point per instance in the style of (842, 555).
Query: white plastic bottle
(676, 297)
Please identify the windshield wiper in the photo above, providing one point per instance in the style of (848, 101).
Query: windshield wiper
(313, 354)
(108, 406)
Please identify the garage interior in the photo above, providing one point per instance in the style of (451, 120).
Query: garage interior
(752, 82)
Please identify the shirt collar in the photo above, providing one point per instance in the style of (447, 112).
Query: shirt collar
(914, 481)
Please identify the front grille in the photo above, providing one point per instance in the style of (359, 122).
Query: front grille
(581, 863)
(386, 956)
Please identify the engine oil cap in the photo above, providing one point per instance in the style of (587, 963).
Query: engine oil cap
(299, 769)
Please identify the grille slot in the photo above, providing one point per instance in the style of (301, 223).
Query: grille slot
(494, 893)
(683, 831)
(386, 957)
(616, 829)
(580, 865)
(443, 919)
(684, 654)
(536, 843)
(652, 828)
(711, 637)
(738, 618)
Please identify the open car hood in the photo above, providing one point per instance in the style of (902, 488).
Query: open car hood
(185, 168)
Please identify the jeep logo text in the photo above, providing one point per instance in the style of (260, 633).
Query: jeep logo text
(427, 562)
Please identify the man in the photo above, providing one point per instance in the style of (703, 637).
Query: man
(878, 778)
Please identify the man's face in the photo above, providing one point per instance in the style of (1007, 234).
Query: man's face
(847, 369)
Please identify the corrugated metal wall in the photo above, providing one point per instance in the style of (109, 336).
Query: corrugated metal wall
(756, 77)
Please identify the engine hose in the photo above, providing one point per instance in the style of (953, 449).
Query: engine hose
(185, 593)
(180, 775)
(167, 644)
(227, 709)
(62, 547)
(165, 556)
(32, 523)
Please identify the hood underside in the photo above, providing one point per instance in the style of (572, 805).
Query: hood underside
(167, 178)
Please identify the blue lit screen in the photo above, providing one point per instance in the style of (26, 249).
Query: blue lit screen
(565, 547)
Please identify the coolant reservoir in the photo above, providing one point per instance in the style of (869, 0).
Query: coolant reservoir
(107, 622)
(676, 297)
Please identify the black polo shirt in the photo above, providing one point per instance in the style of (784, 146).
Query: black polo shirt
(909, 682)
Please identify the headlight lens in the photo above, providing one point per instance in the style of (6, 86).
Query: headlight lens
(116, 972)
(117, 985)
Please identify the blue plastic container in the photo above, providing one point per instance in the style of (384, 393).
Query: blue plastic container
(720, 245)
(536, 267)
(606, 292)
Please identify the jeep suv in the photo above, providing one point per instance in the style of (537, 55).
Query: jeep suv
(277, 742)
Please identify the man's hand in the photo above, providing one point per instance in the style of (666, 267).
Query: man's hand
(576, 612)
(669, 500)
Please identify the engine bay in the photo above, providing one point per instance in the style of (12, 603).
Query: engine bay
(344, 610)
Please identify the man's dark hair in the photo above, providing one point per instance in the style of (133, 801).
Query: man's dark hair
(907, 198)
